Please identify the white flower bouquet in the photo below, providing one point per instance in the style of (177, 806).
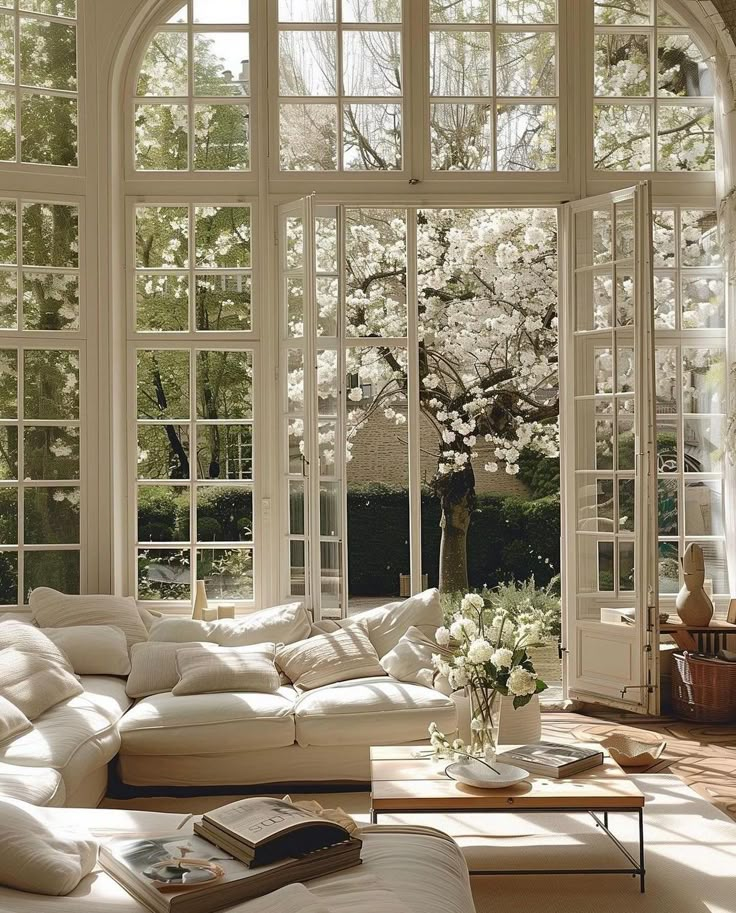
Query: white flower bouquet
(484, 651)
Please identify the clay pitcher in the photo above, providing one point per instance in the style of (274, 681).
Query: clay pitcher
(693, 603)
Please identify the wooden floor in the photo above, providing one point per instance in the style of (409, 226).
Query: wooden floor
(702, 755)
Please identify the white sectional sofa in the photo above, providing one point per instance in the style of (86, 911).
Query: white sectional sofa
(231, 738)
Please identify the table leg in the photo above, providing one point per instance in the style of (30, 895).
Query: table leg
(641, 849)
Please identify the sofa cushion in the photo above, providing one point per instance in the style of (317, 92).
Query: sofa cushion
(387, 624)
(281, 625)
(12, 720)
(52, 609)
(34, 683)
(26, 637)
(36, 785)
(411, 658)
(208, 669)
(74, 737)
(371, 711)
(329, 658)
(93, 649)
(209, 724)
(153, 667)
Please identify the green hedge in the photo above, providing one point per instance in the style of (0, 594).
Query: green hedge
(509, 538)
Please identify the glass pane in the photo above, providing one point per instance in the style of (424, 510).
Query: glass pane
(162, 302)
(163, 513)
(225, 385)
(51, 384)
(703, 302)
(624, 298)
(699, 238)
(8, 300)
(526, 63)
(667, 507)
(327, 296)
(593, 237)
(161, 138)
(49, 132)
(703, 509)
(461, 137)
(48, 54)
(371, 63)
(526, 138)
(227, 572)
(372, 137)
(703, 379)
(621, 64)
(164, 70)
(295, 386)
(595, 505)
(221, 137)
(8, 128)
(703, 444)
(7, 49)
(622, 137)
(224, 302)
(371, 10)
(8, 383)
(625, 369)
(307, 63)
(325, 229)
(50, 235)
(294, 242)
(685, 138)
(594, 440)
(375, 253)
(8, 253)
(462, 10)
(296, 445)
(8, 452)
(212, 11)
(327, 390)
(626, 566)
(162, 236)
(181, 15)
(224, 451)
(682, 70)
(50, 301)
(8, 577)
(626, 436)
(605, 567)
(63, 8)
(308, 137)
(663, 237)
(667, 445)
(221, 63)
(8, 517)
(297, 575)
(665, 380)
(164, 574)
(595, 370)
(625, 229)
(296, 508)
(163, 451)
(51, 452)
(327, 444)
(163, 384)
(295, 308)
(665, 302)
(669, 568)
(51, 516)
(56, 569)
(306, 11)
(526, 11)
(329, 510)
(623, 12)
(626, 505)
(222, 236)
(716, 566)
(224, 513)
(460, 63)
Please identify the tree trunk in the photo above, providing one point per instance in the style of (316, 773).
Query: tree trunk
(457, 499)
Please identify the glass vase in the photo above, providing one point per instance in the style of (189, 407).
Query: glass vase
(483, 723)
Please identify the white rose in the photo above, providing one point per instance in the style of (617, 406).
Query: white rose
(502, 658)
(479, 651)
(522, 682)
(442, 636)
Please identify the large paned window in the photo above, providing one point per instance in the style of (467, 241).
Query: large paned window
(194, 411)
(340, 85)
(38, 82)
(42, 399)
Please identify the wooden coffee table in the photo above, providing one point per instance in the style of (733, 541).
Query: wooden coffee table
(406, 780)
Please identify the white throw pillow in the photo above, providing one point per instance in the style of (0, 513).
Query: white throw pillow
(13, 721)
(153, 668)
(329, 658)
(284, 624)
(34, 683)
(387, 624)
(208, 668)
(93, 649)
(39, 860)
(25, 637)
(411, 658)
(52, 609)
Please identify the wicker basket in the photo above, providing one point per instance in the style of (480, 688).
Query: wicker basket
(703, 690)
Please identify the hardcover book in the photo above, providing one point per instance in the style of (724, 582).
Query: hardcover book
(553, 760)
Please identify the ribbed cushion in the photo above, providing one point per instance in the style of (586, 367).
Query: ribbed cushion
(12, 720)
(329, 658)
(208, 668)
(36, 785)
(153, 667)
(93, 649)
(52, 609)
(25, 637)
(284, 624)
(34, 683)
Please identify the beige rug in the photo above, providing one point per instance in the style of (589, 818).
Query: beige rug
(690, 853)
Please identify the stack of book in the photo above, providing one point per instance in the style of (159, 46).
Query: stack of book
(240, 851)
(549, 759)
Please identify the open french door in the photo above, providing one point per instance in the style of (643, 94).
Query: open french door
(608, 451)
(312, 395)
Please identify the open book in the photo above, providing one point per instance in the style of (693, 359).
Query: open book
(260, 830)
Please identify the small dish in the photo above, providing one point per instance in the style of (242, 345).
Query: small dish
(473, 773)
(630, 752)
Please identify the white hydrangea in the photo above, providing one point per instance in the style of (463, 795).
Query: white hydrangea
(471, 601)
(502, 658)
(479, 651)
(442, 636)
(522, 682)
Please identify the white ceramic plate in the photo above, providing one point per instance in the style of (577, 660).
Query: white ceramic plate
(473, 773)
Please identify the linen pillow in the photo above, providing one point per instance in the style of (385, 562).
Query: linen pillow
(329, 658)
(52, 609)
(153, 668)
(12, 721)
(411, 658)
(26, 638)
(206, 669)
(93, 649)
(280, 625)
(33, 683)
(36, 859)
(387, 624)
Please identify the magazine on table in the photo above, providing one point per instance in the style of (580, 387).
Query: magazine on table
(554, 760)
